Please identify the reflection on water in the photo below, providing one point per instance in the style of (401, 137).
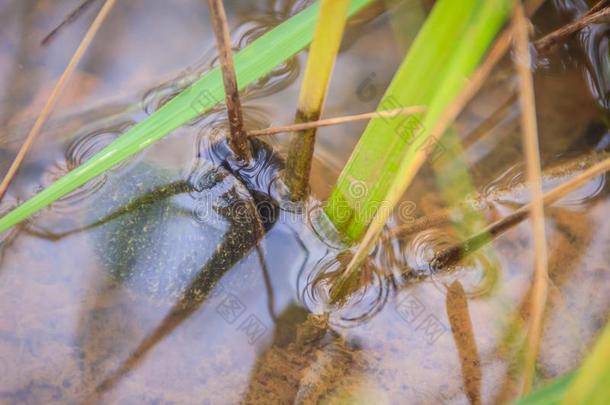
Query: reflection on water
(183, 274)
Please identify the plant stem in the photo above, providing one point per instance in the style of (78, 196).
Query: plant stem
(548, 41)
(458, 251)
(336, 121)
(532, 152)
(322, 55)
(238, 139)
(55, 94)
(417, 156)
(252, 63)
(420, 80)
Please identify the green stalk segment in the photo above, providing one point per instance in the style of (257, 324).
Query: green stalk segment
(322, 54)
(447, 50)
(251, 63)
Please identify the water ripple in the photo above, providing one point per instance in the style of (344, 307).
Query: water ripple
(363, 299)
(78, 152)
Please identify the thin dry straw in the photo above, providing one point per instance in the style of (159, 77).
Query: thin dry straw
(458, 251)
(337, 121)
(238, 139)
(55, 94)
(596, 14)
(532, 152)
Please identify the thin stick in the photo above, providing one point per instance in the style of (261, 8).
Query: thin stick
(457, 252)
(561, 34)
(70, 18)
(54, 97)
(320, 63)
(532, 153)
(238, 140)
(490, 122)
(480, 203)
(337, 121)
(600, 4)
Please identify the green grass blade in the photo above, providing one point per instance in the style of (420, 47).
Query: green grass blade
(592, 382)
(550, 394)
(251, 63)
(447, 50)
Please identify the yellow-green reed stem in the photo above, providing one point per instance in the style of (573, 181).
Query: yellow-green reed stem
(322, 55)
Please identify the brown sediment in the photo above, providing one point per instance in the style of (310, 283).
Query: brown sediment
(304, 370)
(238, 139)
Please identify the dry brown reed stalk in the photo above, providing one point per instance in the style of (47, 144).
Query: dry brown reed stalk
(529, 129)
(596, 14)
(457, 252)
(337, 121)
(238, 139)
(490, 122)
(55, 94)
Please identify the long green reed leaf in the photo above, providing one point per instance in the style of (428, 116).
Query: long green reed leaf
(587, 385)
(446, 51)
(550, 394)
(592, 382)
(251, 63)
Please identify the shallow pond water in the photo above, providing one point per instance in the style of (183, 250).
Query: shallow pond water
(181, 277)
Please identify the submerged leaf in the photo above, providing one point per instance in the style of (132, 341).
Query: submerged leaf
(251, 64)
